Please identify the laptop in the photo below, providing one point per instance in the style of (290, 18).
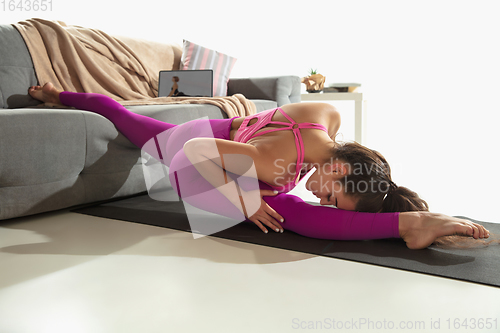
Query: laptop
(186, 83)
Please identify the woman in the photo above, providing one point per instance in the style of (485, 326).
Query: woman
(174, 92)
(292, 137)
(175, 88)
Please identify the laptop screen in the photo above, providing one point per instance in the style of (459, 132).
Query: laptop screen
(186, 83)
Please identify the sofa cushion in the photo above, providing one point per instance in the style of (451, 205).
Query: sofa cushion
(41, 158)
(53, 159)
(282, 89)
(198, 57)
(16, 70)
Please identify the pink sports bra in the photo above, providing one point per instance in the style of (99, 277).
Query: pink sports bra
(247, 132)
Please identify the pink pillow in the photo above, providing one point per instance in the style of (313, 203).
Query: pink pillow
(198, 57)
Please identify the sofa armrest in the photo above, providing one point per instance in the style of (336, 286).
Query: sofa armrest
(282, 89)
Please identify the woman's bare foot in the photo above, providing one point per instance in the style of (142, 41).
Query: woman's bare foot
(47, 94)
(420, 229)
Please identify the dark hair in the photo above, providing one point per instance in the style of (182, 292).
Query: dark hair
(369, 180)
(385, 196)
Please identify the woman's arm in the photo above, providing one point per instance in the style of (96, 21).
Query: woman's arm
(326, 222)
(417, 229)
(215, 158)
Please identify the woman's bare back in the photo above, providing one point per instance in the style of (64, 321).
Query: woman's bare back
(280, 148)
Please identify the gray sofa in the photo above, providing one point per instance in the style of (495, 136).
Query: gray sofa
(52, 159)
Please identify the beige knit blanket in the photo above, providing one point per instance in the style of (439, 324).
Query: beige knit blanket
(234, 106)
(80, 59)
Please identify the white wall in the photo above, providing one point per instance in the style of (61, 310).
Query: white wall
(429, 69)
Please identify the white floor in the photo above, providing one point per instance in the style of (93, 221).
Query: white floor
(71, 273)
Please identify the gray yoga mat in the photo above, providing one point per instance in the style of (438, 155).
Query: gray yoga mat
(478, 265)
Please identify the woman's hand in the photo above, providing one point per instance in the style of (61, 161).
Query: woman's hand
(264, 214)
(420, 229)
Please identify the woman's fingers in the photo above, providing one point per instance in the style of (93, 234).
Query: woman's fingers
(273, 225)
(486, 232)
(476, 230)
(273, 214)
(267, 223)
(266, 215)
(268, 209)
(261, 217)
(271, 217)
(479, 231)
(269, 193)
(259, 225)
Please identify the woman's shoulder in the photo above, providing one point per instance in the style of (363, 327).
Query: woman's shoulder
(321, 113)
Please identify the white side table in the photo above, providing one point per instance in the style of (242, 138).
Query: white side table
(359, 120)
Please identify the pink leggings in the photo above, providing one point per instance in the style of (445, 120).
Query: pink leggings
(300, 217)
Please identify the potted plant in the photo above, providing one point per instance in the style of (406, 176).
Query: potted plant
(314, 82)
